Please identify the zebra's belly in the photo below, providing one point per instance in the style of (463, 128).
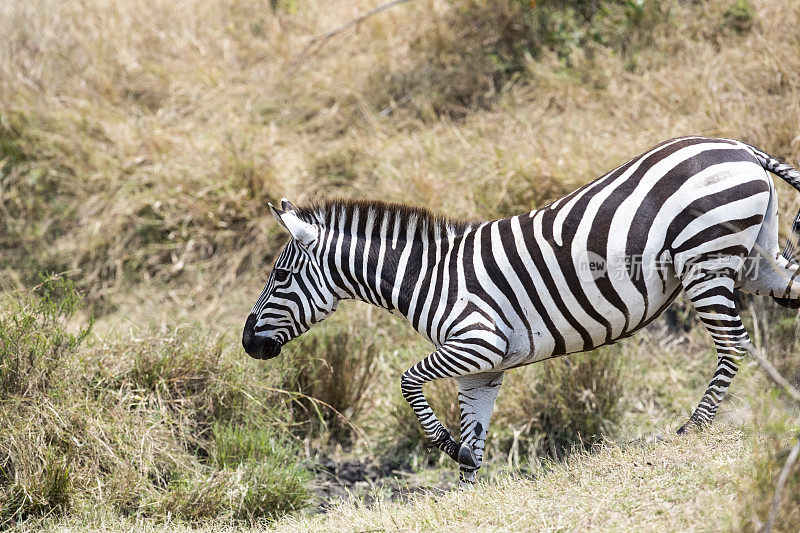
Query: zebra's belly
(548, 335)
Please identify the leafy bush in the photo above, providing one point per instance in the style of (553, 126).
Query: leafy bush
(740, 16)
(477, 47)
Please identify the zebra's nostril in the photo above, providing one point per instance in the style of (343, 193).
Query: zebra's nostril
(259, 347)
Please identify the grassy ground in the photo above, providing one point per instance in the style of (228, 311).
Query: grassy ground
(139, 143)
(679, 485)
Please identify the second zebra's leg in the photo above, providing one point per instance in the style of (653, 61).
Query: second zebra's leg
(713, 301)
(442, 363)
(476, 396)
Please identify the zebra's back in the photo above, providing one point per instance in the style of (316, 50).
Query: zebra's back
(602, 262)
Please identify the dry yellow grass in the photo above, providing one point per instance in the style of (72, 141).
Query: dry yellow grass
(167, 125)
(686, 484)
(140, 141)
(681, 484)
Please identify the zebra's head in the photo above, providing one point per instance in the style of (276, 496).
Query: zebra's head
(296, 295)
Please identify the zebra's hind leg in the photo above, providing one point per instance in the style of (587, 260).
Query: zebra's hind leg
(476, 396)
(713, 300)
(442, 363)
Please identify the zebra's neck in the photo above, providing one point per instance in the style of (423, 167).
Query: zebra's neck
(397, 261)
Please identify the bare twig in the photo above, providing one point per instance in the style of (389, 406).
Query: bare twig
(322, 37)
(782, 477)
(774, 375)
(794, 393)
(364, 16)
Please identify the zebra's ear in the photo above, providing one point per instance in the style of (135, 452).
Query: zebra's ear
(301, 231)
(277, 213)
(286, 205)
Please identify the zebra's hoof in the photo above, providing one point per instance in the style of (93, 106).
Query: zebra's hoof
(690, 427)
(467, 477)
(467, 484)
(466, 457)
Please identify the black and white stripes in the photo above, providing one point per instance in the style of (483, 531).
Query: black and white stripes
(692, 214)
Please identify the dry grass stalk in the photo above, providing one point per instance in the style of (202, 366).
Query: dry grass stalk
(793, 393)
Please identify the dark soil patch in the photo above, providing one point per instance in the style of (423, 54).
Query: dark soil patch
(370, 479)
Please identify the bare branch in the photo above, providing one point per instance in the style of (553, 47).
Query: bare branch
(782, 477)
(774, 375)
(364, 16)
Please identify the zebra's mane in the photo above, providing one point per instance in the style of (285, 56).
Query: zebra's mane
(329, 212)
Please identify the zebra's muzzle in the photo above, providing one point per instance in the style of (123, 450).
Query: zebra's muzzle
(255, 346)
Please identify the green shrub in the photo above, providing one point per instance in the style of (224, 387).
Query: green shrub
(740, 16)
(34, 338)
(477, 48)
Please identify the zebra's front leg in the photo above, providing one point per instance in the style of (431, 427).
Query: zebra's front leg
(476, 396)
(442, 363)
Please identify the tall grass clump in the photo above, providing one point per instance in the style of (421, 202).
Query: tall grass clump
(549, 408)
(331, 369)
(35, 351)
(34, 339)
(256, 474)
(238, 457)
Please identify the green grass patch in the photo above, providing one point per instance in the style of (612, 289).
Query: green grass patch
(160, 425)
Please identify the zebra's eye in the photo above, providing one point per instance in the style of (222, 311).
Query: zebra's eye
(281, 275)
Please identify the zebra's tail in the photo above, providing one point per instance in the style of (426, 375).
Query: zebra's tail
(790, 175)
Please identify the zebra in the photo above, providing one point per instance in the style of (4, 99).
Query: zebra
(694, 214)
